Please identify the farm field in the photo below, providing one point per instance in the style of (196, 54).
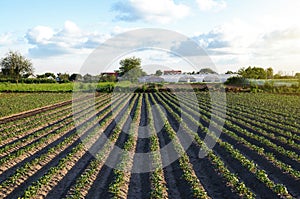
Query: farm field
(45, 87)
(51, 87)
(59, 153)
(12, 103)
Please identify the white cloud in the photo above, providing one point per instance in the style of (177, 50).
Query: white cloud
(216, 5)
(71, 28)
(234, 37)
(40, 34)
(236, 44)
(279, 43)
(6, 39)
(118, 30)
(161, 11)
(46, 41)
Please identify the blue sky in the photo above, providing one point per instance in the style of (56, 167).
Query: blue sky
(58, 36)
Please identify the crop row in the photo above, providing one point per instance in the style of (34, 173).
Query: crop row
(158, 183)
(184, 162)
(119, 186)
(84, 182)
(88, 125)
(28, 124)
(250, 117)
(232, 179)
(245, 162)
(12, 103)
(286, 168)
(50, 132)
(284, 107)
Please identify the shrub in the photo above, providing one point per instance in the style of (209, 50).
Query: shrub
(237, 80)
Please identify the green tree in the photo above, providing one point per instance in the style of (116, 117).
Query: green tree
(46, 75)
(16, 66)
(50, 75)
(75, 77)
(237, 80)
(253, 73)
(230, 72)
(107, 78)
(269, 73)
(63, 77)
(158, 73)
(88, 78)
(131, 69)
(207, 71)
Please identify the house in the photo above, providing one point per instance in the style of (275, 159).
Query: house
(172, 72)
(32, 76)
(110, 74)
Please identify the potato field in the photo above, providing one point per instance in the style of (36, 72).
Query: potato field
(61, 151)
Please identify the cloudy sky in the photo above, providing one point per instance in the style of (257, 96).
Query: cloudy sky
(59, 35)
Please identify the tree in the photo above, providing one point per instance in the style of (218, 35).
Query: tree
(269, 73)
(107, 78)
(242, 71)
(50, 75)
(16, 66)
(297, 75)
(46, 75)
(63, 77)
(88, 78)
(230, 72)
(207, 71)
(75, 77)
(253, 73)
(158, 73)
(131, 69)
(41, 76)
(278, 75)
(236, 80)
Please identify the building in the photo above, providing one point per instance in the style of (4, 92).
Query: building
(172, 72)
(150, 79)
(32, 76)
(196, 78)
(110, 74)
(187, 78)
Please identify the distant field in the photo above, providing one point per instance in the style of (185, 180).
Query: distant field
(12, 87)
(54, 87)
(12, 103)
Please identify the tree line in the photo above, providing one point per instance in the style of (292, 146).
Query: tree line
(15, 66)
(261, 73)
